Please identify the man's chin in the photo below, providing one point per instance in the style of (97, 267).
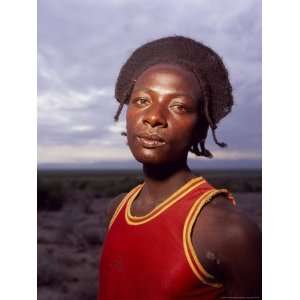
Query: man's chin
(149, 159)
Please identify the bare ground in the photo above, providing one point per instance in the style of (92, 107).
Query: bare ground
(70, 241)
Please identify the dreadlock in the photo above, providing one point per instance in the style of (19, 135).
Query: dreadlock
(203, 62)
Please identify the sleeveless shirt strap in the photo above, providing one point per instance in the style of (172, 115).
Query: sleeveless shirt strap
(189, 250)
(122, 203)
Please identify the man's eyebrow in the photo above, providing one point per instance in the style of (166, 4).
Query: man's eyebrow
(139, 89)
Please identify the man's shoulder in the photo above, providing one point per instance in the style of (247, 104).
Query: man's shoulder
(222, 234)
(226, 222)
(112, 206)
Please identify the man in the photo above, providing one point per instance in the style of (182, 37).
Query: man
(175, 236)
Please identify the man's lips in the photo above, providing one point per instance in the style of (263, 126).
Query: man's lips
(150, 140)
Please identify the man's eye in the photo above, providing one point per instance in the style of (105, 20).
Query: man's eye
(141, 101)
(179, 108)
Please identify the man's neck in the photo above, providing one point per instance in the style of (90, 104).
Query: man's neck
(163, 180)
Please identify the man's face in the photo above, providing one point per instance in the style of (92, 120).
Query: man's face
(162, 114)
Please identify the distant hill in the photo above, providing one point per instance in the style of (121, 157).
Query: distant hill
(201, 163)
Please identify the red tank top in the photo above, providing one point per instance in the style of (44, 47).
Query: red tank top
(152, 257)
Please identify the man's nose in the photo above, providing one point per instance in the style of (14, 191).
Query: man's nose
(155, 117)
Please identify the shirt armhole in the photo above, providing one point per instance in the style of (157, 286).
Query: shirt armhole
(193, 261)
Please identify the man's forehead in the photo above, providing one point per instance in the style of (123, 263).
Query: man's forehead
(165, 78)
(163, 91)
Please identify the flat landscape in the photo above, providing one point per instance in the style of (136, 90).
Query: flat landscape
(71, 222)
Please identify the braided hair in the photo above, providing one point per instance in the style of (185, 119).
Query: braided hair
(203, 62)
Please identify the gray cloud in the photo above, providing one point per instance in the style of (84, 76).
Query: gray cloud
(82, 45)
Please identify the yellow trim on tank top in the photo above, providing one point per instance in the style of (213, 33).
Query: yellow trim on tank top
(133, 192)
(180, 193)
(197, 267)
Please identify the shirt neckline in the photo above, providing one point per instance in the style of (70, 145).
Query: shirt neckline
(157, 210)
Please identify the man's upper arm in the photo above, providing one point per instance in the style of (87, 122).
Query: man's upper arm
(241, 258)
(228, 244)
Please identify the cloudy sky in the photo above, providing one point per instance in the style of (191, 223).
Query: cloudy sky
(82, 45)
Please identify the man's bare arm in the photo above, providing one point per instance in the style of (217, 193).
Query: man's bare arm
(241, 260)
(229, 246)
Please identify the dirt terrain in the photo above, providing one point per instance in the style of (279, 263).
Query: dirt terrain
(70, 241)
